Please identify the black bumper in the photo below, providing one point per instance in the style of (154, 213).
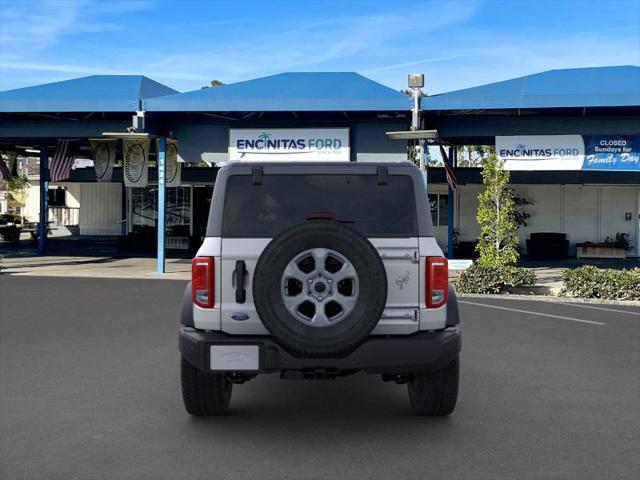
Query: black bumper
(401, 354)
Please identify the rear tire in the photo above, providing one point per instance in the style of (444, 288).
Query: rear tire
(435, 394)
(204, 394)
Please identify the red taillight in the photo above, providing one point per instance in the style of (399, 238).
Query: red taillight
(202, 283)
(437, 281)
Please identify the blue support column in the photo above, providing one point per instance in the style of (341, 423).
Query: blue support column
(451, 207)
(425, 162)
(162, 149)
(44, 199)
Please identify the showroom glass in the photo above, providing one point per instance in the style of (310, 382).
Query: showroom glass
(144, 213)
(282, 201)
(439, 206)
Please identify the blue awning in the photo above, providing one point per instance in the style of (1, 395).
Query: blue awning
(288, 92)
(96, 93)
(577, 87)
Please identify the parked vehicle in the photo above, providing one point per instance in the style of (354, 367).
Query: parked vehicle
(318, 271)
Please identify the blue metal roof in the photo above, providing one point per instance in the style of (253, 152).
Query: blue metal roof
(306, 91)
(577, 87)
(96, 93)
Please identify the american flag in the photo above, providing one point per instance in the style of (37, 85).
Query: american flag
(4, 170)
(62, 161)
(448, 169)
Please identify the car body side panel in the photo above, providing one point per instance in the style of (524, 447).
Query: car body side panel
(240, 318)
(401, 262)
(401, 259)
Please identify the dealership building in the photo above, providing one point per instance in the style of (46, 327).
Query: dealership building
(570, 137)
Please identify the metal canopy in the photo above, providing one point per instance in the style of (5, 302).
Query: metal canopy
(569, 88)
(96, 93)
(288, 92)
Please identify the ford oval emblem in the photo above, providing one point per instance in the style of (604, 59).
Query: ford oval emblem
(240, 316)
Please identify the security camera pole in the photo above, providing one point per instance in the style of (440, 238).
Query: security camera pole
(416, 83)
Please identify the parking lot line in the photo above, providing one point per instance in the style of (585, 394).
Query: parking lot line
(561, 317)
(572, 304)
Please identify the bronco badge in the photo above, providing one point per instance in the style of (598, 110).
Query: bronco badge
(403, 280)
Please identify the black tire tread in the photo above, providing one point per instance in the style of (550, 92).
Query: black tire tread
(435, 394)
(204, 394)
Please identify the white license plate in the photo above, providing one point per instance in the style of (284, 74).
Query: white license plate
(232, 358)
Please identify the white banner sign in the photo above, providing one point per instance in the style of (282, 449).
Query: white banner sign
(289, 144)
(173, 167)
(104, 157)
(136, 162)
(541, 152)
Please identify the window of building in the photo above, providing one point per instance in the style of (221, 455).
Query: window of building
(439, 205)
(57, 197)
(144, 214)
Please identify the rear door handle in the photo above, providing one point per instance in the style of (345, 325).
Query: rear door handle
(239, 275)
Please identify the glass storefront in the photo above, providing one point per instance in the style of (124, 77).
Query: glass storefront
(143, 215)
(439, 205)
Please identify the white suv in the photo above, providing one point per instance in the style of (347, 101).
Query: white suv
(319, 271)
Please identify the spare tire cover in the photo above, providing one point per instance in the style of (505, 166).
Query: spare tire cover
(320, 288)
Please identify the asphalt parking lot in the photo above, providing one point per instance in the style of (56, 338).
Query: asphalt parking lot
(89, 389)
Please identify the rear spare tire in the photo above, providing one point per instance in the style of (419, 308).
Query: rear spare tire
(320, 288)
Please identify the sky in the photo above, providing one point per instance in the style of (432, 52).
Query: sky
(185, 44)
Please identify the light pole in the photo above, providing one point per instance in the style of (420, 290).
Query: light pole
(416, 83)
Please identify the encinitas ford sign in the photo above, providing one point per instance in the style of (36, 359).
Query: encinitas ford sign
(569, 152)
(289, 144)
(541, 152)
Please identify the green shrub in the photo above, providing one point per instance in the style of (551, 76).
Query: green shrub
(493, 279)
(592, 282)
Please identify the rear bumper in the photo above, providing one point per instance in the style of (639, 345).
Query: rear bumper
(420, 352)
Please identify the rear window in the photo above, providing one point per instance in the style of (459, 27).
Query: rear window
(282, 201)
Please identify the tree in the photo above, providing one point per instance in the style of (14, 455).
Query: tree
(213, 83)
(474, 155)
(497, 242)
(409, 92)
(15, 194)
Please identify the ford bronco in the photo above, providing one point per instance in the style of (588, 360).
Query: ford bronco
(319, 271)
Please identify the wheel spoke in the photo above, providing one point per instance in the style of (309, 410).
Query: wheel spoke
(347, 271)
(293, 271)
(319, 258)
(293, 302)
(347, 302)
(320, 318)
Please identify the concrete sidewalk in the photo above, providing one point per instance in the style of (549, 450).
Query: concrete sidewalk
(549, 276)
(95, 267)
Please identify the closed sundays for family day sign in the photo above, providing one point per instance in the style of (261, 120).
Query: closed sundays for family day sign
(569, 152)
(289, 144)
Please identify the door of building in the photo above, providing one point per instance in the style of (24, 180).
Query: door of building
(439, 205)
